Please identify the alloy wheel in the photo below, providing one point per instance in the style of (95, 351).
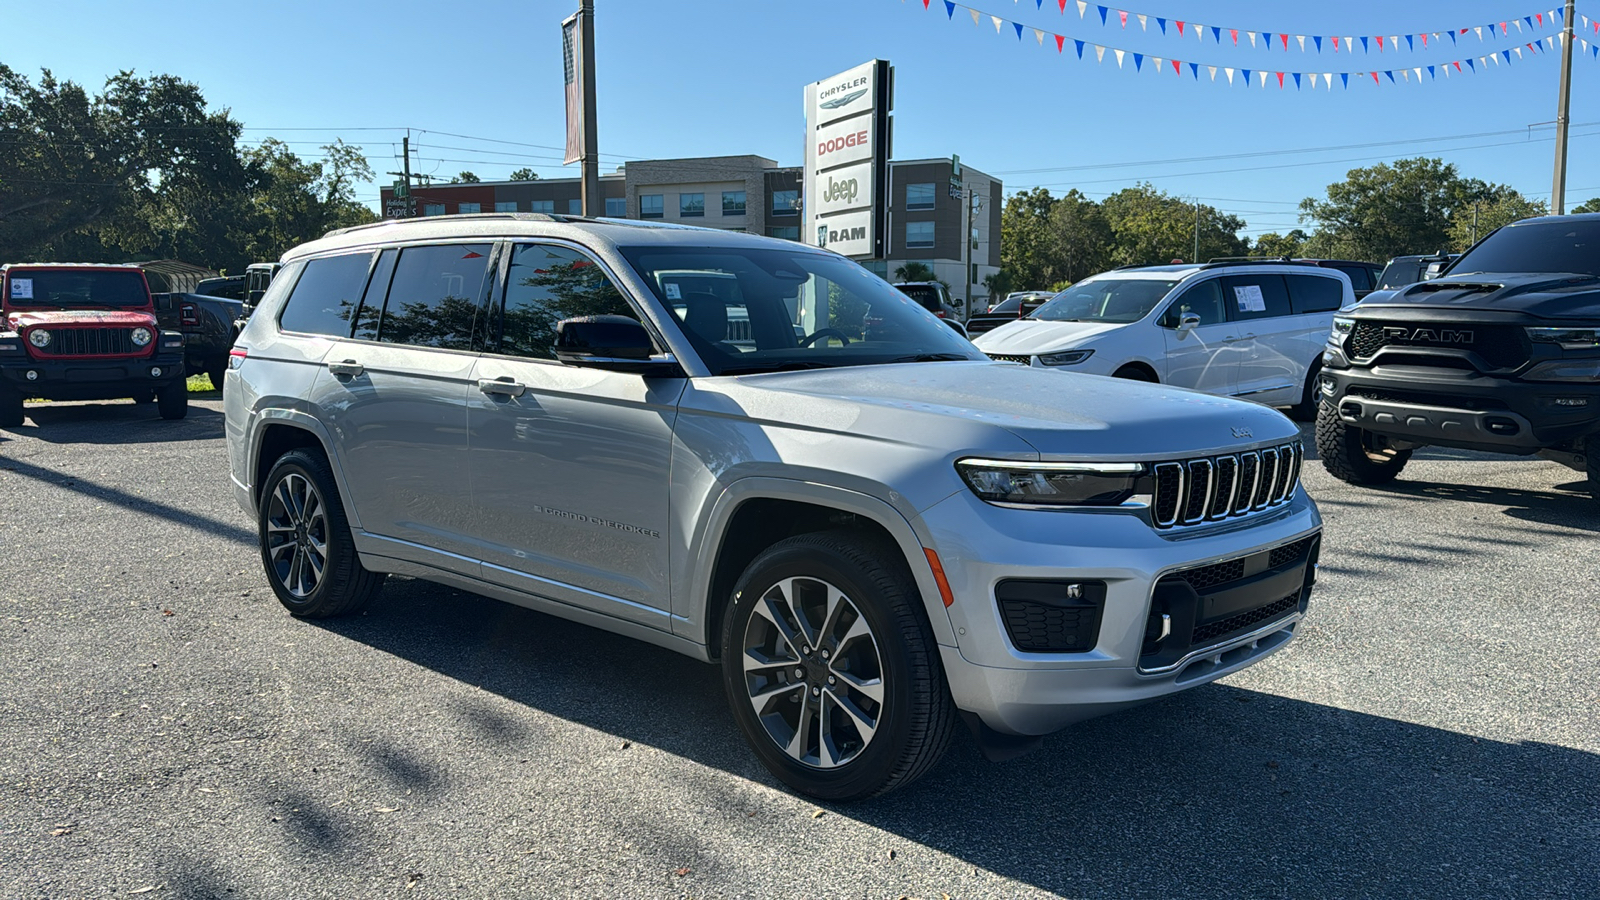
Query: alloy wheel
(813, 672)
(297, 535)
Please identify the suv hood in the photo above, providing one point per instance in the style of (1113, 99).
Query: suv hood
(966, 407)
(1542, 295)
(17, 320)
(1030, 336)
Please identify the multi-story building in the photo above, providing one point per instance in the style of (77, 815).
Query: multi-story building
(953, 227)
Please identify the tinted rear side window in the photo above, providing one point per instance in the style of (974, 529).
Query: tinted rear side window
(1314, 293)
(1360, 276)
(436, 298)
(326, 295)
(1256, 296)
(1400, 273)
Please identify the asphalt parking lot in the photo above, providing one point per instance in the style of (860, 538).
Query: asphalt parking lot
(168, 731)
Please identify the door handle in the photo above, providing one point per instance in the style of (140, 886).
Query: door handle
(503, 386)
(346, 367)
(1237, 338)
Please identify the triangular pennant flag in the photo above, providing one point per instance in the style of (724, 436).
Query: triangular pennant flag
(1119, 58)
(1328, 77)
(1432, 76)
(1038, 36)
(1082, 6)
(1540, 17)
(1252, 37)
(974, 16)
(1138, 61)
(1410, 44)
(1364, 47)
(1390, 74)
(1019, 30)
(1234, 33)
(1316, 39)
(1350, 44)
(1162, 23)
(1212, 70)
(1269, 40)
(1446, 69)
(1103, 13)
(1180, 28)
(1528, 19)
(1375, 79)
(1263, 80)
(1155, 64)
(1296, 80)
(1099, 53)
(1177, 67)
(949, 9)
(1554, 13)
(1301, 39)
(1144, 23)
(1394, 42)
(997, 23)
(1418, 71)
(924, 4)
(1194, 69)
(1479, 30)
(1038, 4)
(1452, 36)
(1313, 81)
(1518, 51)
(1346, 77)
(1336, 43)
(1124, 17)
(1471, 66)
(1491, 29)
(1198, 30)
(1457, 64)
(1380, 43)
(1228, 72)
(1246, 74)
(1280, 81)
(1425, 40)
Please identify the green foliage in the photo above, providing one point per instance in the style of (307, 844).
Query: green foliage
(999, 284)
(1152, 228)
(1589, 207)
(1274, 244)
(1045, 239)
(466, 178)
(913, 271)
(524, 174)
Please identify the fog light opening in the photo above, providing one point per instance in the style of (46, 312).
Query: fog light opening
(155, 371)
(32, 375)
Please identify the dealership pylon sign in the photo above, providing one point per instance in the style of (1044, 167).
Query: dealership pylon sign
(847, 161)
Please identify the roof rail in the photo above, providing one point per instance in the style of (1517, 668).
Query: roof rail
(526, 217)
(1255, 261)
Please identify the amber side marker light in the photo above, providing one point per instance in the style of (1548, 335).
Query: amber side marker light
(938, 577)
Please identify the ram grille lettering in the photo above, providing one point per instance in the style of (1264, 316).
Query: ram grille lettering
(1428, 335)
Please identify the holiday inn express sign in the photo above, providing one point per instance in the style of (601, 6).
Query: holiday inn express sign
(847, 160)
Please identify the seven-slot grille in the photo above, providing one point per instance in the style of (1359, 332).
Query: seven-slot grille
(89, 342)
(1210, 489)
(1501, 346)
(1010, 357)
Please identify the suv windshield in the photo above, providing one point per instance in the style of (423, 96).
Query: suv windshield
(1556, 246)
(748, 309)
(925, 294)
(1105, 300)
(1009, 305)
(75, 289)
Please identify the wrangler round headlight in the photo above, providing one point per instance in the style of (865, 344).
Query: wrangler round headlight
(1052, 483)
(141, 337)
(39, 338)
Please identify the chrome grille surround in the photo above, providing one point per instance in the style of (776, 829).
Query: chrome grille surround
(1217, 488)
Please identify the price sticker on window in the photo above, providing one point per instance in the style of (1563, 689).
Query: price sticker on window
(674, 292)
(22, 288)
(1250, 298)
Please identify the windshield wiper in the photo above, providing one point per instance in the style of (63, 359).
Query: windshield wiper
(790, 366)
(931, 357)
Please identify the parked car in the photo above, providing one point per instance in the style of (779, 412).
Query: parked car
(1007, 310)
(874, 530)
(1404, 270)
(1501, 353)
(208, 324)
(229, 287)
(257, 278)
(84, 332)
(934, 297)
(1240, 329)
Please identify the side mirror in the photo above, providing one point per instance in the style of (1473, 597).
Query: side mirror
(617, 343)
(1188, 321)
(959, 328)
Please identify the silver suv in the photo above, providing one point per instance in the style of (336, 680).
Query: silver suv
(758, 454)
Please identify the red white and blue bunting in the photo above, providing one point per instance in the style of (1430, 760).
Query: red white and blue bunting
(1252, 76)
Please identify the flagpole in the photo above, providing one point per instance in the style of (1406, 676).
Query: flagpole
(1558, 193)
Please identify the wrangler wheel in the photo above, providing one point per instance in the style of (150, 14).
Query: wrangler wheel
(306, 547)
(831, 669)
(1354, 454)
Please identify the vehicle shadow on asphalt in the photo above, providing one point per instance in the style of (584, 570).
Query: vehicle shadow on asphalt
(1569, 506)
(1219, 791)
(132, 502)
(116, 423)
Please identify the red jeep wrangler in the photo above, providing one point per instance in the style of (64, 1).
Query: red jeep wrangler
(84, 332)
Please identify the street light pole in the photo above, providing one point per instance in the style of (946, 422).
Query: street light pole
(1558, 194)
(590, 191)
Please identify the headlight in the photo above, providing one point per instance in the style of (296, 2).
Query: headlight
(1587, 370)
(1065, 358)
(141, 337)
(1568, 338)
(1051, 484)
(1341, 329)
(39, 338)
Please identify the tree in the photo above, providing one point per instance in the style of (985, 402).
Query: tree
(524, 174)
(1502, 210)
(296, 201)
(999, 284)
(913, 271)
(466, 178)
(1152, 228)
(1275, 245)
(1388, 210)
(1589, 207)
(1027, 248)
(1081, 238)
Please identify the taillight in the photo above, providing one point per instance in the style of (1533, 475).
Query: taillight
(188, 313)
(939, 313)
(236, 357)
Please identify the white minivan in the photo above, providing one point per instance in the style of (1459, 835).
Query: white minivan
(1239, 329)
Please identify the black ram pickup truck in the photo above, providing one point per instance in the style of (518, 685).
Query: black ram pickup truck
(209, 326)
(1501, 353)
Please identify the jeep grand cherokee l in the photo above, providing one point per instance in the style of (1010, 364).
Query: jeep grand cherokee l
(874, 530)
(1501, 353)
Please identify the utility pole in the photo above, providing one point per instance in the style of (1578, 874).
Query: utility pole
(593, 205)
(1558, 194)
(1474, 221)
(1197, 230)
(403, 189)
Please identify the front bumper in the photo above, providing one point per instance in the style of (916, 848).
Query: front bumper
(1460, 408)
(92, 379)
(1018, 692)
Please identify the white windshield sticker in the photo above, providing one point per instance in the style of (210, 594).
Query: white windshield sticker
(22, 288)
(673, 292)
(1250, 299)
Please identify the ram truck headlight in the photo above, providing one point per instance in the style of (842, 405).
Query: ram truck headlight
(1567, 338)
(141, 337)
(1064, 358)
(1052, 483)
(1342, 327)
(39, 338)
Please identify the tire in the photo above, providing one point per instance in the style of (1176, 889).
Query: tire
(301, 520)
(1136, 373)
(875, 644)
(1354, 454)
(172, 401)
(1306, 409)
(11, 413)
(1592, 457)
(146, 397)
(215, 369)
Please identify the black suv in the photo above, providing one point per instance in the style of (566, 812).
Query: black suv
(1501, 353)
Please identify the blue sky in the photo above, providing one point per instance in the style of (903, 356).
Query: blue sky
(680, 78)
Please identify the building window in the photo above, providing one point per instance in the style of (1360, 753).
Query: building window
(542, 206)
(505, 206)
(433, 209)
(691, 205)
(617, 207)
(650, 206)
(575, 206)
(919, 234)
(469, 207)
(733, 203)
(785, 203)
(787, 232)
(919, 196)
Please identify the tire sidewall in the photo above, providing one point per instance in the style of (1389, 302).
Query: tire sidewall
(861, 776)
(299, 463)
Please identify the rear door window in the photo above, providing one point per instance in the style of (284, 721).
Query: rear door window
(436, 298)
(1255, 296)
(548, 283)
(371, 314)
(1314, 293)
(326, 295)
